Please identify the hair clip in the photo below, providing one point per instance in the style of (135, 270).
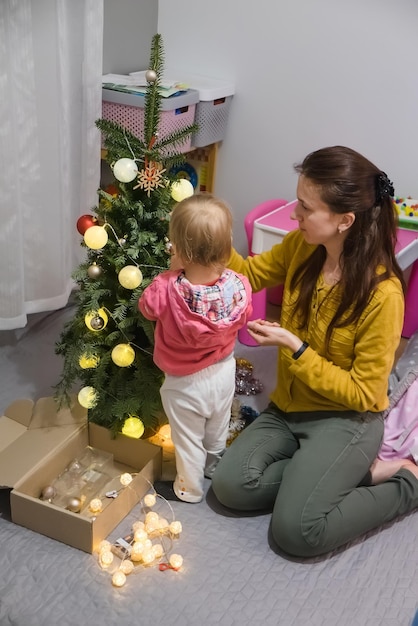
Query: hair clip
(384, 187)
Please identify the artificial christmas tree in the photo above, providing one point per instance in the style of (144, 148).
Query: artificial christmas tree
(107, 346)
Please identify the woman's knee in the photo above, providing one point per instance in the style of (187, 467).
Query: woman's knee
(227, 486)
(296, 537)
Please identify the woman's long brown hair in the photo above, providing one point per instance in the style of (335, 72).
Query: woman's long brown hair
(348, 182)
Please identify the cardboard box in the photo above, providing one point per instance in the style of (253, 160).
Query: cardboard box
(37, 443)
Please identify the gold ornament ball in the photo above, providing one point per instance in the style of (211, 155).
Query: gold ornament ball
(74, 505)
(96, 237)
(87, 397)
(125, 170)
(123, 355)
(88, 362)
(151, 76)
(94, 271)
(130, 277)
(133, 427)
(96, 320)
(48, 493)
(181, 189)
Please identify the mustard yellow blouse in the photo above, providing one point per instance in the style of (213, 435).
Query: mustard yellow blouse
(354, 375)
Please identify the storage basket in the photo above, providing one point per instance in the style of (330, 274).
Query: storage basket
(213, 108)
(127, 110)
(212, 118)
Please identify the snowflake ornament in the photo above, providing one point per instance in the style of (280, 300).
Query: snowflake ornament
(150, 178)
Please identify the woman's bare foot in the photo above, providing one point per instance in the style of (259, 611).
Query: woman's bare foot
(382, 470)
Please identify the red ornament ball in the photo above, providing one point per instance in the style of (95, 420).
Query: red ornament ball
(84, 222)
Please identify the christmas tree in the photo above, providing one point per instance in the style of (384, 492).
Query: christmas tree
(107, 347)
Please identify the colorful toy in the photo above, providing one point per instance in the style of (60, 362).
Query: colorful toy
(407, 209)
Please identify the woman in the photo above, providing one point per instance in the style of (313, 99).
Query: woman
(310, 456)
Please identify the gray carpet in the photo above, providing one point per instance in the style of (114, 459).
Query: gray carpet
(231, 574)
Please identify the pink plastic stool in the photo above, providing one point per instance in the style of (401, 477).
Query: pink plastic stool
(259, 299)
(411, 304)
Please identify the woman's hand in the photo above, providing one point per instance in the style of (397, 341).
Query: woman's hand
(272, 334)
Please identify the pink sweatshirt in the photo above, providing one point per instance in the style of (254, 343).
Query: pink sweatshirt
(197, 325)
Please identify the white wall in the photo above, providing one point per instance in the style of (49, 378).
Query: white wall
(308, 73)
(128, 28)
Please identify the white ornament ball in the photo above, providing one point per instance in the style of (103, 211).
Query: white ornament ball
(127, 567)
(87, 397)
(123, 355)
(157, 550)
(141, 535)
(125, 170)
(181, 189)
(175, 528)
(136, 551)
(176, 561)
(106, 559)
(130, 277)
(162, 524)
(104, 546)
(96, 237)
(126, 479)
(150, 500)
(95, 505)
(151, 518)
(148, 557)
(118, 579)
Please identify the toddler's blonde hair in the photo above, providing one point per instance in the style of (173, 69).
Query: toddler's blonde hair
(201, 230)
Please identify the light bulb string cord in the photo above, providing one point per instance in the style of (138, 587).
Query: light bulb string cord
(138, 265)
(134, 158)
(131, 343)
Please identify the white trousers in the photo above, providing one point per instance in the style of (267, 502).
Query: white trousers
(198, 408)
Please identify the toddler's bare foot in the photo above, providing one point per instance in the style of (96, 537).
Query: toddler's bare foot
(382, 470)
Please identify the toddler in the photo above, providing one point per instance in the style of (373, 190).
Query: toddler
(199, 307)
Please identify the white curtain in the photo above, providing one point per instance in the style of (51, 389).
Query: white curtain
(50, 97)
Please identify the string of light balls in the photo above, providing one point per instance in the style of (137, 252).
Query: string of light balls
(139, 548)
